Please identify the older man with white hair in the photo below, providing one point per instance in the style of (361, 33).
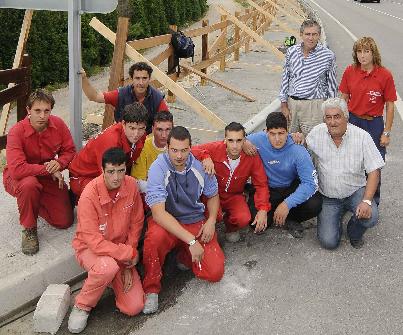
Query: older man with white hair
(348, 164)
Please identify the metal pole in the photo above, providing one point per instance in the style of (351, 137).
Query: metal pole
(75, 93)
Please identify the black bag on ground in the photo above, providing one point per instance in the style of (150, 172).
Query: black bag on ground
(183, 48)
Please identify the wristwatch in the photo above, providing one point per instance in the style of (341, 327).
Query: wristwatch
(192, 242)
(368, 202)
(386, 133)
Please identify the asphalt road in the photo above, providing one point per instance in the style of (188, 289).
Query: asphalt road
(383, 22)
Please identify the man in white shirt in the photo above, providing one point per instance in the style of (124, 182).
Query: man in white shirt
(343, 155)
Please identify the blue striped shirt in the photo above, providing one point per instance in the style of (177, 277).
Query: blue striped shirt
(313, 77)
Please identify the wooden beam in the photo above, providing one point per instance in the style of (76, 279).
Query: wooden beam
(149, 42)
(22, 100)
(171, 68)
(3, 142)
(223, 43)
(205, 52)
(116, 71)
(10, 94)
(219, 83)
(272, 17)
(236, 37)
(14, 76)
(282, 10)
(163, 55)
(217, 56)
(250, 32)
(22, 41)
(162, 77)
(217, 43)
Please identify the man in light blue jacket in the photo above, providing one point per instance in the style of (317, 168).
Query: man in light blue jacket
(292, 177)
(176, 181)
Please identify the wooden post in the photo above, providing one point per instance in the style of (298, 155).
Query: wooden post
(254, 22)
(116, 72)
(25, 28)
(247, 11)
(224, 43)
(205, 55)
(236, 37)
(171, 63)
(22, 101)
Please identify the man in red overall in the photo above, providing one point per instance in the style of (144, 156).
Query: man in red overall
(233, 169)
(110, 218)
(38, 149)
(128, 135)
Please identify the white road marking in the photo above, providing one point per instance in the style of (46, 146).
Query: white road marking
(399, 102)
(378, 11)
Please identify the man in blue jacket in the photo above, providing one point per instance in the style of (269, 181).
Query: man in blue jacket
(176, 180)
(292, 177)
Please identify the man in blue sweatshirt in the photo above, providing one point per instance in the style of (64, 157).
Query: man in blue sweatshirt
(176, 180)
(292, 177)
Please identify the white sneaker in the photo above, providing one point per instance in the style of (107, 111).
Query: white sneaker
(182, 267)
(151, 304)
(77, 320)
(233, 237)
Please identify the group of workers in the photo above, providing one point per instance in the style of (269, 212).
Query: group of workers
(144, 172)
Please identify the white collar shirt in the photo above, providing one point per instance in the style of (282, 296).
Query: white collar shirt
(341, 170)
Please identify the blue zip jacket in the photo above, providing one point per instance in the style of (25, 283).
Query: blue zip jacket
(284, 165)
(180, 191)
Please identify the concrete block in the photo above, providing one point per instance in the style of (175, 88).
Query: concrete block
(52, 308)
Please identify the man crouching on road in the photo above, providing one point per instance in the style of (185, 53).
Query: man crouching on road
(110, 219)
(292, 177)
(176, 181)
(233, 169)
(343, 154)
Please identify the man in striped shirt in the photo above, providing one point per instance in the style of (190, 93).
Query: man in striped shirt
(343, 154)
(309, 78)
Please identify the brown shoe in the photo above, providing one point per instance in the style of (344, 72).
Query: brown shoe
(29, 242)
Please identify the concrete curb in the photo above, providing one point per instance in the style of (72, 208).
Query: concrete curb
(27, 285)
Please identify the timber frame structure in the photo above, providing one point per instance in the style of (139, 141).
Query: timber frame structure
(240, 29)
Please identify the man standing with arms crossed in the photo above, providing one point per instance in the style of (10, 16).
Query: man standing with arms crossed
(233, 169)
(309, 78)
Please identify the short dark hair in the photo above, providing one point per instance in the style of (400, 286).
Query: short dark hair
(135, 112)
(114, 156)
(140, 66)
(276, 120)
(179, 133)
(40, 95)
(308, 24)
(235, 126)
(163, 116)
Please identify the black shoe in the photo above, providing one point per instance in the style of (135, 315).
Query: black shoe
(357, 244)
(296, 229)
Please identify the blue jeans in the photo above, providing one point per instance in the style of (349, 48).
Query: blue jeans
(330, 219)
(375, 128)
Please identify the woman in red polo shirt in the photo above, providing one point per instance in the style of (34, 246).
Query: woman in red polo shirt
(367, 87)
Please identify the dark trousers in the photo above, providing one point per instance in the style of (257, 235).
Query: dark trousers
(375, 128)
(305, 211)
